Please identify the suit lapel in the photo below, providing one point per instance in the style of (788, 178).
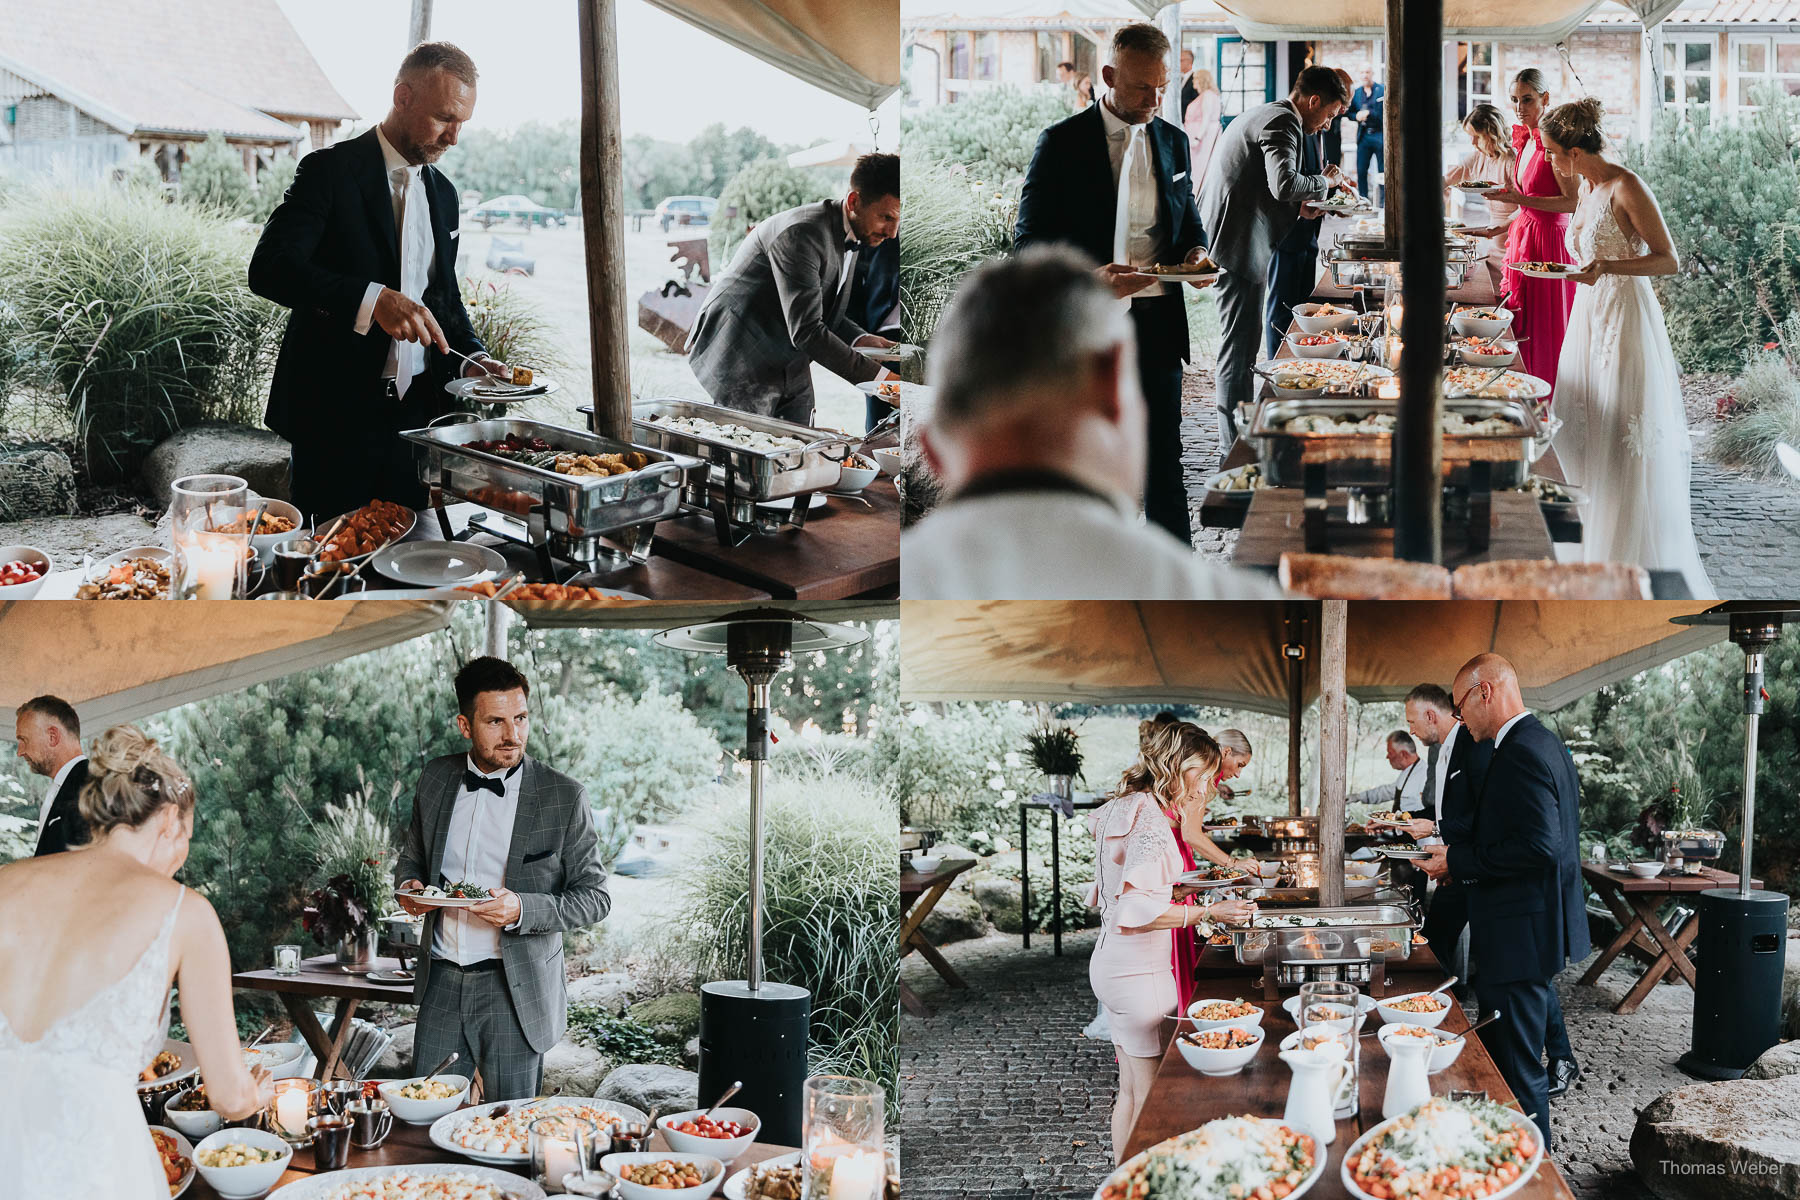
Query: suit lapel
(378, 197)
(1098, 140)
(440, 835)
(525, 815)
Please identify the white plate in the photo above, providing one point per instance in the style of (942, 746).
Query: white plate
(1321, 1154)
(187, 1148)
(189, 1065)
(1529, 273)
(1408, 855)
(438, 564)
(735, 1184)
(391, 977)
(908, 391)
(1483, 189)
(1532, 388)
(464, 389)
(1247, 879)
(786, 503)
(444, 1127)
(1211, 276)
(894, 353)
(441, 901)
(320, 1187)
(1356, 1149)
(281, 1058)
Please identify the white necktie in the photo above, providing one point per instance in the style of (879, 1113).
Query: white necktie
(406, 354)
(1134, 142)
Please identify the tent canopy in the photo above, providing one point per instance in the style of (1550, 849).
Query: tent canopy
(1521, 20)
(1230, 654)
(850, 50)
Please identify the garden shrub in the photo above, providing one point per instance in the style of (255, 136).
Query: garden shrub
(140, 315)
(952, 769)
(622, 1038)
(512, 326)
(990, 133)
(951, 226)
(756, 193)
(1767, 410)
(214, 179)
(272, 183)
(1729, 191)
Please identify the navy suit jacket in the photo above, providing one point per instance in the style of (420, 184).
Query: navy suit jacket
(1467, 767)
(1376, 103)
(330, 237)
(63, 827)
(1522, 863)
(1069, 197)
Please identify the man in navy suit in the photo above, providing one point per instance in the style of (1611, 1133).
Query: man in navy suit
(1367, 105)
(1521, 866)
(1080, 170)
(49, 737)
(363, 250)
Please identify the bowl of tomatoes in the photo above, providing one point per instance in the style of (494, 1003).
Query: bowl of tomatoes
(1318, 345)
(725, 1134)
(22, 571)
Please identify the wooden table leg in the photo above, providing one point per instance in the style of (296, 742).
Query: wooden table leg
(1673, 957)
(322, 1044)
(920, 909)
(1629, 925)
(936, 958)
(909, 1000)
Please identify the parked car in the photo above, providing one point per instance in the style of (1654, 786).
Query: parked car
(685, 210)
(516, 208)
(507, 255)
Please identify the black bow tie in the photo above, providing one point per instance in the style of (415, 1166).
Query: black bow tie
(481, 783)
(851, 243)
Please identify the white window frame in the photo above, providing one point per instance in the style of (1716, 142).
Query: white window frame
(1740, 93)
(1677, 44)
(1493, 95)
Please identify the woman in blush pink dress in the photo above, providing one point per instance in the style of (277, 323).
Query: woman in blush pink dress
(1201, 121)
(1537, 233)
(1138, 858)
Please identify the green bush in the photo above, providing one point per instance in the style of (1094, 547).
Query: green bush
(959, 769)
(640, 755)
(756, 193)
(951, 226)
(1729, 191)
(536, 160)
(621, 1038)
(214, 179)
(512, 327)
(140, 315)
(1768, 412)
(990, 133)
(831, 905)
(271, 185)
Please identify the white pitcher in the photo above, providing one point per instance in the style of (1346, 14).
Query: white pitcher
(1408, 1085)
(1312, 1093)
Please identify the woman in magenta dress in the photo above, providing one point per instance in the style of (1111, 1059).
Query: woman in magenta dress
(1136, 862)
(1537, 233)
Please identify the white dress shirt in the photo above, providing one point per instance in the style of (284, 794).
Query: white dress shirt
(1406, 793)
(56, 782)
(1144, 232)
(1506, 728)
(418, 265)
(480, 837)
(849, 272)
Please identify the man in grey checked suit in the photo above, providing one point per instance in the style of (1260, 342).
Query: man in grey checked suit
(1254, 192)
(490, 983)
(781, 304)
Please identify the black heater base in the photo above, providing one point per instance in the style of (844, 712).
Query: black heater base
(760, 1038)
(1739, 957)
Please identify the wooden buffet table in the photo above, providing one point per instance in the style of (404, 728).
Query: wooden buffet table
(1633, 902)
(319, 978)
(920, 892)
(1181, 1098)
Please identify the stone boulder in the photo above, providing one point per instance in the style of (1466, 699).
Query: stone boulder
(674, 1017)
(610, 990)
(956, 918)
(576, 1069)
(1001, 899)
(1733, 1140)
(35, 481)
(652, 1085)
(396, 1062)
(1790, 988)
(1777, 1062)
(67, 540)
(257, 456)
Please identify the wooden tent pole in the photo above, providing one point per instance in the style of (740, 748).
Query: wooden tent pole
(603, 218)
(1333, 748)
(1296, 673)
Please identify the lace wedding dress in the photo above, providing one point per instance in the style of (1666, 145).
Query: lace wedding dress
(1625, 437)
(70, 1124)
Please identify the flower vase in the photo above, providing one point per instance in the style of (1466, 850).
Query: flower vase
(358, 949)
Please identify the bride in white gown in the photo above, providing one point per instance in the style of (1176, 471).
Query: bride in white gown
(1625, 438)
(90, 940)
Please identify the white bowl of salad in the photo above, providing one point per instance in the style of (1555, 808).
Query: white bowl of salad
(1415, 1008)
(1478, 1144)
(240, 1163)
(420, 1101)
(1219, 1014)
(1255, 1154)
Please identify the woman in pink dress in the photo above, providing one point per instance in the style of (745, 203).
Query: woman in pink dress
(1537, 233)
(1491, 158)
(1201, 120)
(1137, 860)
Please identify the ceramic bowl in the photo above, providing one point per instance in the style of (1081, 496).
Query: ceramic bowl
(710, 1167)
(424, 1112)
(724, 1149)
(1220, 1062)
(1335, 349)
(32, 555)
(1248, 1021)
(1330, 323)
(241, 1183)
(1400, 1016)
(1646, 870)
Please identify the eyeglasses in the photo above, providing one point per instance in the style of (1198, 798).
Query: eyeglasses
(1456, 705)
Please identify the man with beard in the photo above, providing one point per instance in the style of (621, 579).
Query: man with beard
(49, 737)
(363, 250)
(490, 983)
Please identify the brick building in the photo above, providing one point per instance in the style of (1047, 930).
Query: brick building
(89, 86)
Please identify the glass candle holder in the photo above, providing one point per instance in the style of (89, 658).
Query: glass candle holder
(559, 1148)
(843, 1138)
(295, 1101)
(287, 960)
(1335, 1007)
(211, 560)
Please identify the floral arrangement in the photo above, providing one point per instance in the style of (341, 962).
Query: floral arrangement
(1054, 749)
(337, 912)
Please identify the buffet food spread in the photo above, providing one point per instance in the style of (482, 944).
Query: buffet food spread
(510, 1133)
(139, 578)
(1455, 1149)
(176, 1165)
(408, 1185)
(1454, 423)
(1228, 1038)
(1233, 1156)
(730, 434)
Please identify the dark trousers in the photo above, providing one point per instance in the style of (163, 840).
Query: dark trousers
(1444, 924)
(1159, 374)
(471, 1012)
(334, 471)
(1516, 1041)
(1368, 146)
(1292, 274)
(1556, 1034)
(1241, 323)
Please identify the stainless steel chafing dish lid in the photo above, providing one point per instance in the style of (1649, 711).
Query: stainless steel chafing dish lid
(648, 413)
(1271, 414)
(455, 439)
(1354, 916)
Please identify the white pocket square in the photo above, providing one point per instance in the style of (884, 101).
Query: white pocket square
(1452, 775)
(455, 233)
(1179, 177)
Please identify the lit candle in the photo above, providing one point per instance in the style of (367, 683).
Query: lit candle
(212, 566)
(855, 1175)
(1399, 313)
(1389, 389)
(559, 1159)
(290, 1111)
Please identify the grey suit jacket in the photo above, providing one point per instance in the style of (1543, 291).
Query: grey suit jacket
(775, 311)
(554, 866)
(1254, 188)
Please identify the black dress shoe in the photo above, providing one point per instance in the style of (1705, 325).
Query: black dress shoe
(1563, 1072)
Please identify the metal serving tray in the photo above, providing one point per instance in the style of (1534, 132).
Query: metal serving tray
(1364, 459)
(573, 509)
(743, 474)
(1387, 923)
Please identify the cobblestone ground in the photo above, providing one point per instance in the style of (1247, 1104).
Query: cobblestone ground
(1005, 1099)
(1748, 529)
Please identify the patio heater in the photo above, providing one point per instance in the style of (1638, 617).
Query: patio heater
(1743, 932)
(751, 1029)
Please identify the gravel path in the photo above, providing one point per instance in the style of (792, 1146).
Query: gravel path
(1005, 1099)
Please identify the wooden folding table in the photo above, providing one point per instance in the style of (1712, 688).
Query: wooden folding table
(1634, 902)
(920, 892)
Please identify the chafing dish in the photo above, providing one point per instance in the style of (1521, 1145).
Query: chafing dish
(1364, 459)
(563, 515)
(1345, 933)
(1368, 266)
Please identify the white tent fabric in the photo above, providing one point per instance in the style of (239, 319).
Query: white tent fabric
(1230, 654)
(849, 50)
(933, 14)
(829, 154)
(120, 662)
(1520, 20)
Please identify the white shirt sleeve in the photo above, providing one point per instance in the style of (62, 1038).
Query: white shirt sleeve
(365, 312)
